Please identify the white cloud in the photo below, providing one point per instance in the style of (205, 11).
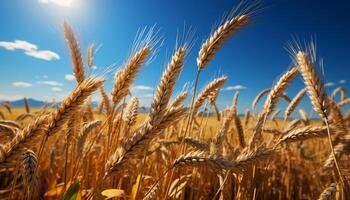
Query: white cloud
(53, 83)
(146, 95)
(142, 87)
(329, 84)
(18, 44)
(45, 55)
(94, 67)
(69, 77)
(56, 89)
(342, 81)
(29, 49)
(65, 3)
(21, 84)
(235, 87)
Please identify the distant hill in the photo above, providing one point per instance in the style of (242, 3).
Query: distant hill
(39, 103)
(32, 103)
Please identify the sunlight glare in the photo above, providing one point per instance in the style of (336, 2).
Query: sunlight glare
(65, 3)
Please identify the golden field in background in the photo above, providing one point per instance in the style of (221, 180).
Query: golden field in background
(77, 151)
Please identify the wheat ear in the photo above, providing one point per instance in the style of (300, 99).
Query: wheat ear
(217, 39)
(75, 53)
(198, 144)
(124, 78)
(179, 100)
(271, 102)
(26, 105)
(317, 96)
(278, 89)
(294, 103)
(301, 134)
(342, 93)
(313, 84)
(344, 102)
(140, 141)
(30, 174)
(329, 192)
(90, 55)
(166, 86)
(105, 101)
(11, 123)
(130, 114)
(26, 138)
(259, 96)
(247, 117)
(205, 94)
(72, 103)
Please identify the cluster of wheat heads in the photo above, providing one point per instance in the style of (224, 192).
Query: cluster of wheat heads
(74, 150)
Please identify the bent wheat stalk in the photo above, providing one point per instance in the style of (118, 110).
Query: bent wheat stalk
(217, 39)
(294, 103)
(304, 133)
(259, 96)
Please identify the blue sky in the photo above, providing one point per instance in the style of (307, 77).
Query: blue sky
(34, 58)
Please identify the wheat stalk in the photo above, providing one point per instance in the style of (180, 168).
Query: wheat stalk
(90, 55)
(304, 133)
(249, 158)
(124, 78)
(30, 174)
(336, 117)
(152, 193)
(8, 107)
(277, 90)
(75, 53)
(304, 117)
(88, 128)
(198, 144)
(237, 122)
(259, 96)
(26, 138)
(105, 101)
(294, 103)
(313, 84)
(275, 114)
(292, 125)
(11, 123)
(212, 86)
(217, 39)
(130, 114)
(273, 131)
(26, 105)
(247, 117)
(271, 102)
(344, 102)
(339, 149)
(342, 93)
(140, 140)
(202, 158)
(72, 103)
(166, 86)
(179, 100)
(329, 192)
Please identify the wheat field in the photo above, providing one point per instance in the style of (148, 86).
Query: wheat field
(74, 150)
